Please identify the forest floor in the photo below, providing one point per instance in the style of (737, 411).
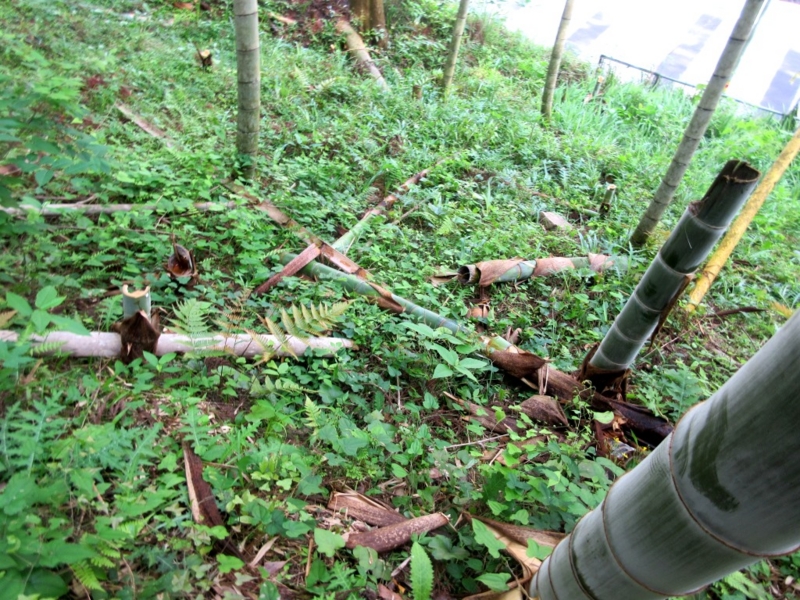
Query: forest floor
(212, 475)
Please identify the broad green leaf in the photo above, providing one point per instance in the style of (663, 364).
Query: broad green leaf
(228, 563)
(40, 320)
(19, 304)
(399, 471)
(485, 537)
(442, 548)
(473, 363)
(421, 573)
(351, 445)
(43, 177)
(48, 298)
(497, 582)
(448, 356)
(20, 492)
(603, 417)
(45, 584)
(442, 370)
(327, 542)
(59, 552)
(537, 550)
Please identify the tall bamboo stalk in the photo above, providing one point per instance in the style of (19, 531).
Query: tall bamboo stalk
(248, 69)
(700, 120)
(714, 497)
(742, 222)
(555, 61)
(700, 227)
(455, 44)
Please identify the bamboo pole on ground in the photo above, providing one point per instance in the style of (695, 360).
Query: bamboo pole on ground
(701, 225)
(455, 44)
(344, 243)
(248, 69)
(713, 498)
(359, 50)
(109, 345)
(555, 62)
(57, 210)
(500, 271)
(742, 222)
(700, 120)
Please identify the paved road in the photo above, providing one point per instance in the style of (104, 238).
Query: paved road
(682, 39)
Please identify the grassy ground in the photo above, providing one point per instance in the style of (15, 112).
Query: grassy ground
(95, 499)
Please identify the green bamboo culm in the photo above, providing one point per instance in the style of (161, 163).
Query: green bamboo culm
(701, 225)
(359, 286)
(719, 493)
(248, 69)
(455, 44)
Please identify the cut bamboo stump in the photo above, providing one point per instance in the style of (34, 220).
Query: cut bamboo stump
(359, 50)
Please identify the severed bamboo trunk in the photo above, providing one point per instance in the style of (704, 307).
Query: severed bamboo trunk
(555, 62)
(248, 68)
(714, 497)
(360, 53)
(455, 44)
(700, 120)
(108, 345)
(499, 271)
(57, 210)
(700, 227)
(742, 222)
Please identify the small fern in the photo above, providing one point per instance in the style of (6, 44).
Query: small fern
(233, 317)
(447, 227)
(85, 574)
(302, 323)
(312, 415)
(45, 348)
(277, 386)
(191, 320)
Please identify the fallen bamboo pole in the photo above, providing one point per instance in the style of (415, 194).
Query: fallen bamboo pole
(326, 250)
(56, 210)
(343, 243)
(356, 45)
(515, 269)
(385, 298)
(108, 345)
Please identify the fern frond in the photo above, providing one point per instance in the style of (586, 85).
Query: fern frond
(45, 348)
(233, 316)
(6, 316)
(267, 348)
(289, 325)
(101, 562)
(191, 320)
(312, 415)
(276, 331)
(86, 575)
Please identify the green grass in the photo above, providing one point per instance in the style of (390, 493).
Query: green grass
(93, 447)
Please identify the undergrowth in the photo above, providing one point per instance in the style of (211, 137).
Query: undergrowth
(94, 501)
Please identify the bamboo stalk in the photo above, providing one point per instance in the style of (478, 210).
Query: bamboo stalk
(108, 345)
(57, 210)
(501, 271)
(701, 225)
(713, 498)
(555, 62)
(700, 120)
(145, 125)
(284, 220)
(385, 298)
(343, 243)
(360, 53)
(742, 222)
(455, 44)
(248, 69)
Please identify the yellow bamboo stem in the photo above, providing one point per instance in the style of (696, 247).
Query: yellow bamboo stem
(740, 225)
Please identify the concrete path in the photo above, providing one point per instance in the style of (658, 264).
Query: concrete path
(681, 39)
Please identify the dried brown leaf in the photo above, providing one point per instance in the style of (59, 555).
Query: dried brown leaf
(544, 408)
(358, 506)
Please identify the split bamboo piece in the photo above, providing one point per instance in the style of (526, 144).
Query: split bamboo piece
(742, 222)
